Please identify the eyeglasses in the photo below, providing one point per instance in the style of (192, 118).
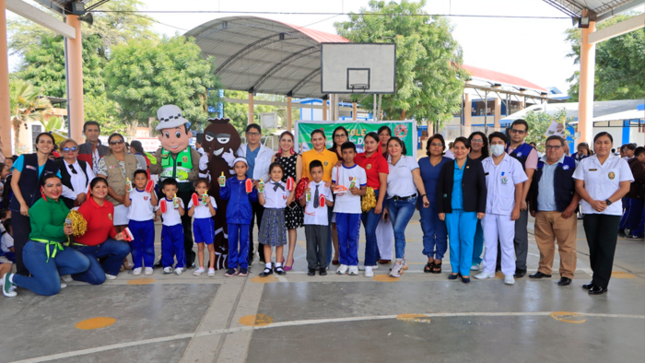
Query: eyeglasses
(553, 147)
(340, 135)
(516, 131)
(68, 149)
(436, 144)
(476, 140)
(253, 133)
(116, 142)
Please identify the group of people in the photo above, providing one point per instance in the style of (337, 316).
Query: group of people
(481, 197)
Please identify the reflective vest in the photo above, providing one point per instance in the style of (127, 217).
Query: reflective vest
(176, 168)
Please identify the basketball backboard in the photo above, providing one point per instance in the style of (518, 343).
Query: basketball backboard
(358, 68)
(269, 120)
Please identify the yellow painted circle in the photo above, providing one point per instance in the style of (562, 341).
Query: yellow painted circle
(622, 275)
(385, 278)
(256, 320)
(499, 275)
(143, 281)
(264, 280)
(95, 323)
(568, 317)
(413, 318)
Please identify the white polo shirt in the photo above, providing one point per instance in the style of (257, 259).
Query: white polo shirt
(500, 183)
(171, 217)
(400, 182)
(202, 211)
(603, 180)
(348, 202)
(141, 209)
(275, 198)
(317, 216)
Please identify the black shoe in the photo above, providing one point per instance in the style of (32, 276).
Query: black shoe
(465, 280)
(564, 281)
(519, 273)
(158, 264)
(280, 271)
(266, 272)
(453, 276)
(588, 286)
(538, 275)
(323, 271)
(312, 272)
(597, 290)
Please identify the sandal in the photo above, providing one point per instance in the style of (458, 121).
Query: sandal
(429, 267)
(436, 269)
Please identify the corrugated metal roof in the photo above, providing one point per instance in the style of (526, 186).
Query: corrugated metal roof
(574, 7)
(264, 55)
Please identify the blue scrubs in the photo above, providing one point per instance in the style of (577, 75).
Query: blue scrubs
(461, 227)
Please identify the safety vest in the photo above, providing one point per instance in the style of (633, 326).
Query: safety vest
(176, 168)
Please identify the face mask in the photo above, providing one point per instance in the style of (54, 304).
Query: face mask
(497, 150)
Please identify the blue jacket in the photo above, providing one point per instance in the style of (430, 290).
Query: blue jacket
(239, 210)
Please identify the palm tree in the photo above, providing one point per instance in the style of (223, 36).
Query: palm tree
(26, 106)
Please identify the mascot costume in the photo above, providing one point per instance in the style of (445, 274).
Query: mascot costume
(220, 142)
(176, 159)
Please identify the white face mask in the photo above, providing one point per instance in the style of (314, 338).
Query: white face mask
(497, 149)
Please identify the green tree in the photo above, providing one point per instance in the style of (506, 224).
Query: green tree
(539, 123)
(144, 75)
(238, 112)
(27, 106)
(429, 81)
(620, 64)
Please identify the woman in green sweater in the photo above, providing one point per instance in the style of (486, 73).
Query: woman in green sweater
(44, 254)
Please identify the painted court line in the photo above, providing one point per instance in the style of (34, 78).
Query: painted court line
(302, 323)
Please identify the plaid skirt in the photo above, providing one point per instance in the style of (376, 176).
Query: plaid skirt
(272, 230)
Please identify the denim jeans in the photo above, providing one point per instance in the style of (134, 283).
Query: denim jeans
(45, 278)
(435, 235)
(370, 222)
(401, 212)
(112, 250)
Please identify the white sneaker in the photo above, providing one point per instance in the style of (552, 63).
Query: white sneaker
(67, 278)
(110, 277)
(136, 271)
(485, 275)
(397, 269)
(148, 271)
(364, 268)
(179, 270)
(199, 271)
(167, 270)
(6, 286)
(369, 272)
(63, 285)
(509, 280)
(476, 267)
(353, 270)
(342, 269)
(211, 272)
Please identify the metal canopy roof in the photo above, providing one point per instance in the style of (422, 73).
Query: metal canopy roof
(604, 9)
(64, 6)
(262, 55)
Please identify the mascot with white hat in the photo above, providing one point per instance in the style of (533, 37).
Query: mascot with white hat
(176, 159)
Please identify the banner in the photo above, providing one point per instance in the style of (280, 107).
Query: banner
(405, 130)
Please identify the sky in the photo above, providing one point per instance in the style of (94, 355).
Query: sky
(532, 49)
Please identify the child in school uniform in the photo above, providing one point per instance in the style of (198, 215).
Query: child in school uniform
(239, 214)
(349, 183)
(273, 232)
(172, 232)
(141, 213)
(7, 251)
(315, 221)
(203, 226)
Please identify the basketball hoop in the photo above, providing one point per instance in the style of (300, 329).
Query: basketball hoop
(359, 86)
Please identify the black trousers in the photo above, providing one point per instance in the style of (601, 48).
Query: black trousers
(186, 223)
(21, 226)
(602, 233)
(258, 212)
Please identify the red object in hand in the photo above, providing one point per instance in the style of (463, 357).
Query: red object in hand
(164, 205)
(289, 183)
(322, 201)
(303, 184)
(195, 200)
(150, 186)
(127, 234)
(249, 185)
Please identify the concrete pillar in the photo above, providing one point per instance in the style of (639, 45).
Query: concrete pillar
(354, 110)
(586, 87)
(5, 112)
(498, 113)
(468, 111)
(324, 109)
(250, 108)
(75, 81)
(289, 121)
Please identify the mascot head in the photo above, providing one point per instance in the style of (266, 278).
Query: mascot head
(175, 136)
(220, 137)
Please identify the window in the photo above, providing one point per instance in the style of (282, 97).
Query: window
(35, 131)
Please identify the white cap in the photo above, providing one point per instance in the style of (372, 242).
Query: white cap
(169, 117)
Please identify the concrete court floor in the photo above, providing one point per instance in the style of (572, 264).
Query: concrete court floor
(420, 318)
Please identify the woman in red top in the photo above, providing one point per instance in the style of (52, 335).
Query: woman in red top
(100, 240)
(376, 170)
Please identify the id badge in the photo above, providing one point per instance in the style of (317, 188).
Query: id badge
(504, 178)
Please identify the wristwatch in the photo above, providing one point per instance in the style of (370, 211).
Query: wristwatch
(608, 202)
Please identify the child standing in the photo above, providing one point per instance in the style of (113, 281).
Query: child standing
(203, 226)
(172, 232)
(349, 182)
(239, 214)
(6, 243)
(316, 222)
(141, 204)
(272, 229)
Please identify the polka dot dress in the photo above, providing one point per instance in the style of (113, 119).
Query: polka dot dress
(293, 214)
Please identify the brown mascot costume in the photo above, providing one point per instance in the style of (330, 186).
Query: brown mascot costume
(220, 142)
